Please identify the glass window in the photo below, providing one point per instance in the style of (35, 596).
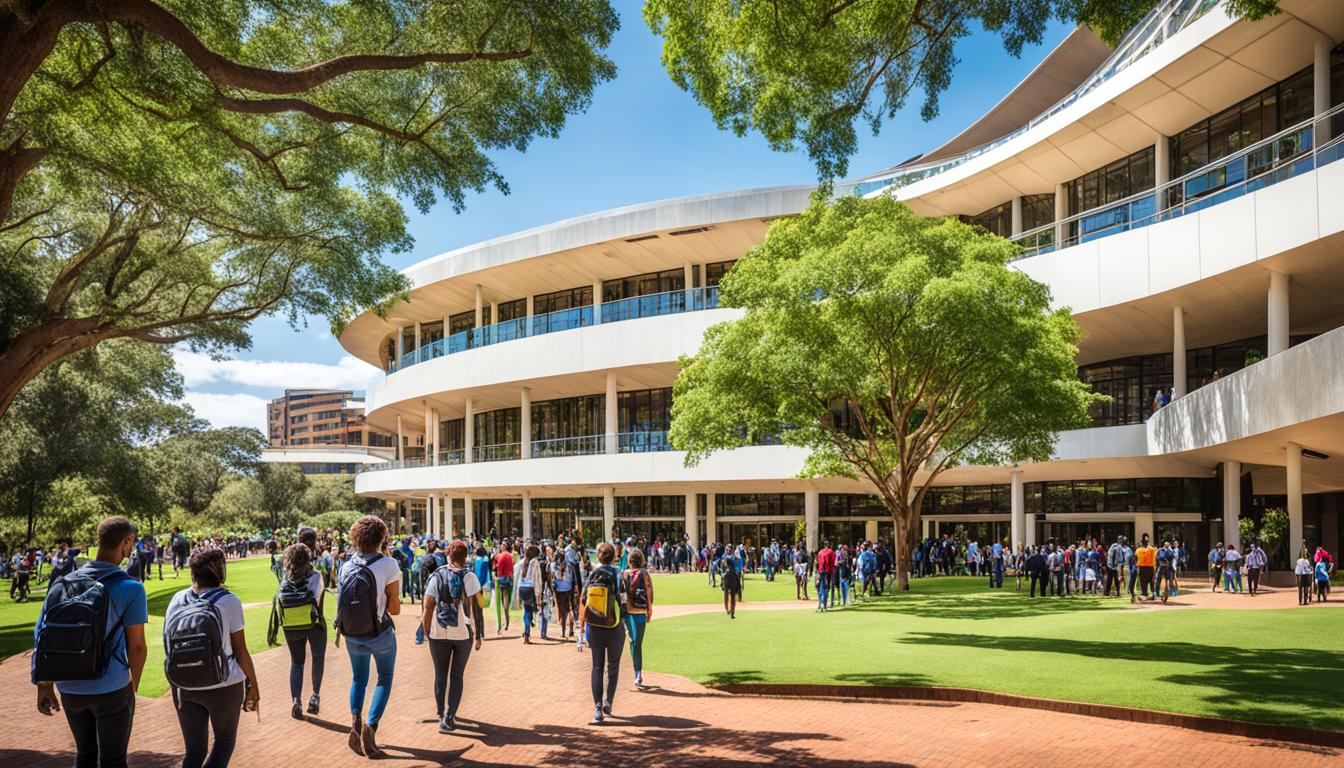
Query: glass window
(451, 435)
(1037, 210)
(759, 504)
(462, 321)
(1296, 97)
(545, 303)
(431, 332)
(998, 220)
(499, 427)
(568, 417)
(714, 272)
(512, 310)
(643, 285)
(645, 410)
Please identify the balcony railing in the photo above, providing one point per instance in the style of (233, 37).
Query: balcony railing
(453, 456)
(643, 442)
(1286, 154)
(498, 452)
(587, 445)
(671, 302)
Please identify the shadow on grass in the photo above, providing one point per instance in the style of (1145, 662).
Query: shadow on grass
(982, 605)
(1293, 686)
(883, 679)
(735, 677)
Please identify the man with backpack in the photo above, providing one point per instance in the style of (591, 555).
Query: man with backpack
(430, 562)
(453, 621)
(97, 684)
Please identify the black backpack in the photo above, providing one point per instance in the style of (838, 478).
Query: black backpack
(296, 607)
(451, 586)
(72, 634)
(637, 590)
(193, 642)
(357, 600)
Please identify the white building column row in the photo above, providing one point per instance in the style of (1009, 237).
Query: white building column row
(1178, 373)
(527, 514)
(1277, 331)
(612, 419)
(1293, 465)
(711, 516)
(1018, 507)
(468, 431)
(608, 512)
(693, 520)
(525, 424)
(1232, 503)
(812, 517)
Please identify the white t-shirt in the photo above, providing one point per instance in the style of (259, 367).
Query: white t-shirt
(470, 587)
(385, 571)
(231, 616)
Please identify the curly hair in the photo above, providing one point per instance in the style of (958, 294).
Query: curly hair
(207, 567)
(298, 562)
(368, 533)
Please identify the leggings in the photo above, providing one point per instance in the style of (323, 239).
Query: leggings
(382, 650)
(450, 661)
(606, 644)
(298, 641)
(1303, 589)
(503, 598)
(636, 623)
(199, 712)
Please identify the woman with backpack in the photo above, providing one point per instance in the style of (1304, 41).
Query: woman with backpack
(452, 620)
(531, 586)
(638, 588)
(502, 564)
(562, 583)
(211, 688)
(366, 600)
(297, 610)
(600, 620)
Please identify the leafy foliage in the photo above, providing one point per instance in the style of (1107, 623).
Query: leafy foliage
(193, 466)
(891, 346)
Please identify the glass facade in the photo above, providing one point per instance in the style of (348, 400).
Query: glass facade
(759, 505)
(572, 298)
(851, 505)
(1116, 181)
(497, 428)
(1037, 210)
(568, 417)
(643, 285)
(998, 220)
(1200, 495)
(714, 272)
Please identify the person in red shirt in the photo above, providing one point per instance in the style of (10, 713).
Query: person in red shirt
(503, 565)
(825, 575)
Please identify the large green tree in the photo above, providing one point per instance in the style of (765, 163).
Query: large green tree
(172, 169)
(282, 488)
(891, 346)
(806, 71)
(194, 465)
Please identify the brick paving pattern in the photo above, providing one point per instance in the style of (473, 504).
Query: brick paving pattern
(529, 705)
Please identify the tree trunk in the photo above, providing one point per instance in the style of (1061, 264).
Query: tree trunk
(32, 512)
(40, 346)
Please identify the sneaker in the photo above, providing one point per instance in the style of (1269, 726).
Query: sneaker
(639, 679)
(447, 724)
(356, 740)
(314, 702)
(368, 743)
(296, 711)
(606, 709)
(597, 715)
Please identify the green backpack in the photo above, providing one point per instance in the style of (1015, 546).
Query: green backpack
(295, 607)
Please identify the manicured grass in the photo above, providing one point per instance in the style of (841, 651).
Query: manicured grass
(693, 588)
(1277, 666)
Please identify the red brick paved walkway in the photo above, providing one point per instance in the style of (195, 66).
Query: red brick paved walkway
(529, 705)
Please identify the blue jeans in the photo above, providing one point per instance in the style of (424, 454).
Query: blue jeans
(636, 623)
(823, 589)
(844, 591)
(383, 650)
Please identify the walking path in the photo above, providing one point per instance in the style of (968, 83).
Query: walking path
(529, 705)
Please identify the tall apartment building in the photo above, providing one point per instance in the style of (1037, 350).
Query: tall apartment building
(320, 417)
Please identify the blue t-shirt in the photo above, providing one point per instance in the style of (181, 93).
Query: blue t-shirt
(1323, 571)
(128, 609)
(481, 567)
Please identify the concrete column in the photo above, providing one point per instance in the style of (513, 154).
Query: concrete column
(401, 345)
(1018, 505)
(1294, 468)
(525, 423)
(1178, 374)
(434, 424)
(597, 302)
(418, 343)
(693, 519)
(1161, 161)
(468, 432)
(429, 447)
(1143, 523)
(870, 530)
(608, 512)
(1017, 216)
(925, 527)
(494, 313)
(711, 517)
(612, 416)
(480, 307)
(1277, 339)
(1061, 213)
(688, 284)
(1232, 503)
(527, 514)
(468, 515)
(1321, 92)
(400, 453)
(812, 517)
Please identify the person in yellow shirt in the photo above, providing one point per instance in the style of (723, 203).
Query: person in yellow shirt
(1146, 557)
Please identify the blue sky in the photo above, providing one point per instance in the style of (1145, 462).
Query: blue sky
(641, 139)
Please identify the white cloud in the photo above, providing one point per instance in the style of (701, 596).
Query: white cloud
(275, 375)
(235, 410)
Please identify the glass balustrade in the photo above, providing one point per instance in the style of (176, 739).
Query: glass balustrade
(587, 445)
(643, 442)
(499, 452)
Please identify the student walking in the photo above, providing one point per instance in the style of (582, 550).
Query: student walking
(366, 599)
(562, 583)
(730, 579)
(298, 611)
(451, 619)
(1303, 570)
(97, 688)
(600, 622)
(502, 563)
(637, 585)
(210, 693)
(530, 589)
(1255, 564)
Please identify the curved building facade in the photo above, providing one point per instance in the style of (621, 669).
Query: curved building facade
(1184, 198)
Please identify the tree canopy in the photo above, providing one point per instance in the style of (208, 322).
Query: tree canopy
(891, 346)
(172, 170)
(807, 71)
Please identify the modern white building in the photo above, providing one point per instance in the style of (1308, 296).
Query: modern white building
(1180, 194)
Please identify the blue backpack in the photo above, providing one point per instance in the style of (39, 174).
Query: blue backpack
(451, 587)
(72, 637)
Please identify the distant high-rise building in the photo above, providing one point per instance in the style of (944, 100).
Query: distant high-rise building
(316, 417)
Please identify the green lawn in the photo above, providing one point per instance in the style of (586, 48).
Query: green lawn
(1279, 666)
(693, 588)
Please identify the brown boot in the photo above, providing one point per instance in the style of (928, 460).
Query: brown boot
(368, 743)
(356, 736)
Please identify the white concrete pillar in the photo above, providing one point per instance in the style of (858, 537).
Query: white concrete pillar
(468, 432)
(1161, 162)
(434, 425)
(693, 520)
(527, 514)
(401, 344)
(812, 517)
(400, 452)
(1232, 503)
(429, 448)
(418, 343)
(1178, 373)
(1016, 225)
(608, 512)
(870, 530)
(1321, 91)
(468, 515)
(525, 423)
(711, 517)
(480, 307)
(688, 284)
(1018, 506)
(1143, 523)
(925, 527)
(1294, 469)
(1061, 213)
(494, 313)
(1277, 332)
(612, 415)
(597, 302)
